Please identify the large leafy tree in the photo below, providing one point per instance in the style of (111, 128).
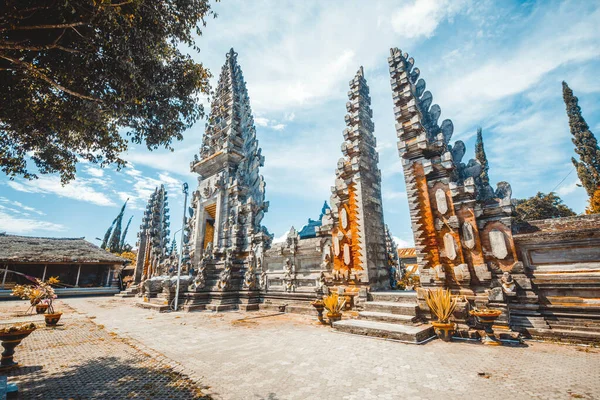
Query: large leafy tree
(542, 206)
(80, 79)
(586, 145)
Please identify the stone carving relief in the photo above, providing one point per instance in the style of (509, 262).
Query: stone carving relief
(450, 246)
(225, 276)
(250, 280)
(508, 283)
(440, 199)
(498, 243)
(344, 218)
(347, 255)
(289, 277)
(468, 235)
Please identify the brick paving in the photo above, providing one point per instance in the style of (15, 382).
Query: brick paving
(261, 355)
(79, 359)
(291, 357)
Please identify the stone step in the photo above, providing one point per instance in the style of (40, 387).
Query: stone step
(386, 317)
(408, 296)
(582, 328)
(124, 295)
(567, 335)
(392, 307)
(386, 330)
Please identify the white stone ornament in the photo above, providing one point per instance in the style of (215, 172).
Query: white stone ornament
(440, 199)
(450, 246)
(346, 254)
(498, 243)
(344, 218)
(468, 235)
(336, 245)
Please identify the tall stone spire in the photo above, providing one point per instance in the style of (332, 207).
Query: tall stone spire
(358, 232)
(153, 235)
(229, 203)
(458, 227)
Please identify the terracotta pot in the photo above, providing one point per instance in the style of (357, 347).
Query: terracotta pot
(487, 317)
(41, 308)
(444, 330)
(334, 317)
(52, 319)
(9, 342)
(319, 306)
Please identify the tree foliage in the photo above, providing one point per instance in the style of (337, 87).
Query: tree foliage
(542, 206)
(586, 145)
(594, 203)
(482, 158)
(79, 79)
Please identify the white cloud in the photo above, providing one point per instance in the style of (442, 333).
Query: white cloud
(281, 238)
(278, 127)
(79, 189)
(260, 121)
(289, 116)
(479, 89)
(17, 225)
(401, 243)
(96, 172)
(568, 188)
(143, 187)
(422, 17)
(23, 208)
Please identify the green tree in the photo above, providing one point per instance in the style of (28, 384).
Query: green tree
(482, 158)
(542, 206)
(80, 79)
(586, 145)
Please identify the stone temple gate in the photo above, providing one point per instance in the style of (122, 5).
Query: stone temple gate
(464, 230)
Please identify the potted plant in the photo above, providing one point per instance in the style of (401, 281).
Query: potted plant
(52, 317)
(334, 307)
(319, 306)
(42, 294)
(442, 305)
(11, 337)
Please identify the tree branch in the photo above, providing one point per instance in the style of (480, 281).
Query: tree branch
(47, 79)
(11, 46)
(34, 27)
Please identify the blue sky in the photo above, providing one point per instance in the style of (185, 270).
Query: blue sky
(498, 65)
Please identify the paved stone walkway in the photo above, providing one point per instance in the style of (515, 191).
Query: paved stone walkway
(79, 359)
(264, 356)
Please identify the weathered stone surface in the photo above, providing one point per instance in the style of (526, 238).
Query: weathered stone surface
(498, 243)
(450, 246)
(440, 199)
(468, 235)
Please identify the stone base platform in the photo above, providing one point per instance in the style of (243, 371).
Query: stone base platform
(406, 333)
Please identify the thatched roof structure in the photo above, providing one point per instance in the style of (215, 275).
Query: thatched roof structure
(40, 250)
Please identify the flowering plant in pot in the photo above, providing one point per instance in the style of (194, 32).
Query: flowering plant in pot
(442, 304)
(41, 295)
(334, 307)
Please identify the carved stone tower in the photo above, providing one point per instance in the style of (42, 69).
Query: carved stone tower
(229, 203)
(153, 237)
(461, 227)
(357, 229)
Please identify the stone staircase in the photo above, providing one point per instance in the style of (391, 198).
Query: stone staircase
(390, 315)
(129, 292)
